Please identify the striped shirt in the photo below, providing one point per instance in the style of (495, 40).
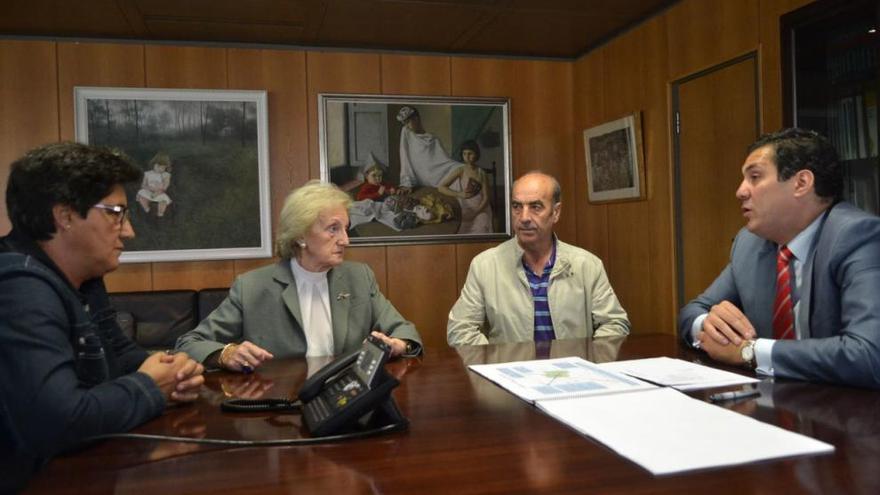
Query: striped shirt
(539, 286)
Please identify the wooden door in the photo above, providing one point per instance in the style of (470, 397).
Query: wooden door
(715, 118)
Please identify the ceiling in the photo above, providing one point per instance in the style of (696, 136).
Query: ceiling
(544, 28)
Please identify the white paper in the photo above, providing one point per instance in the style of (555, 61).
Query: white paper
(557, 378)
(665, 431)
(676, 373)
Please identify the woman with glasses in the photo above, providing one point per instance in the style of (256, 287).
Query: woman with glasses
(311, 303)
(67, 372)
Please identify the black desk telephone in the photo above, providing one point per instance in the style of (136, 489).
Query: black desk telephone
(351, 393)
(353, 390)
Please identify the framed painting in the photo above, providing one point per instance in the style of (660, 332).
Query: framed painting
(204, 153)
(615, 169)
(419, 169)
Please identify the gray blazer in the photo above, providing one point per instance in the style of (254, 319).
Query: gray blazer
(263, 307)
(839, 313)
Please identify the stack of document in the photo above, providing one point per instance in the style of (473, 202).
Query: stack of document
(679, 433)
(676, 373)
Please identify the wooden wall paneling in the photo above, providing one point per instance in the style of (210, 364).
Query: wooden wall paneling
(336, 72)
(551, 93)
(130, 277)
(464, 253)
(374, 256)
(244, 266)
(663, 307)
(589, 111)
(28, 104)
(770, 60)
(109, 65)
(628, 261)
(423, 75)
(94, 64)
(193, 274)
(703, 33)
(282, 73)
(194, 67)
(197, 68)
(421, 288)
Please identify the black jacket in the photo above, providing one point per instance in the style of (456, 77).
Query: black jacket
(67, 372)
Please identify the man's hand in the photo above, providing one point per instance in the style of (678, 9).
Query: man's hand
(177, 376)
(726, 324)
(244, 357)
(397, 346)
(725, 353)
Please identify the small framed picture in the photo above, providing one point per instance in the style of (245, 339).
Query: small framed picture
(613, 151)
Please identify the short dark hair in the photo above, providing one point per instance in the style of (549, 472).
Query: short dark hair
(72, 174)
(801, 149)
(472, 145)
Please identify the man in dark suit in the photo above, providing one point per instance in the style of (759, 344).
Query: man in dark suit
(800, 297)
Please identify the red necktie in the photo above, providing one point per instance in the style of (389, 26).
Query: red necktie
(783, 316)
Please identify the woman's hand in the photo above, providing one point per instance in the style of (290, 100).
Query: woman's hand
(397, 346)
(244, 357)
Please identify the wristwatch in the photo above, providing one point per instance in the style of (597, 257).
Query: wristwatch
(412, 348)
(747, 353)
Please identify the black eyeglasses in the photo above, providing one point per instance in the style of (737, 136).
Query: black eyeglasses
(119, 212)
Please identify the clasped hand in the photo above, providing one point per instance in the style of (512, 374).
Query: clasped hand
(177, 376)
(723, 333)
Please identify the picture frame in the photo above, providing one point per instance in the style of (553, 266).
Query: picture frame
(205, 156)
(419, 169)
(614, 160)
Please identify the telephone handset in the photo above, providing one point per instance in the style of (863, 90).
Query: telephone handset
(350, 391)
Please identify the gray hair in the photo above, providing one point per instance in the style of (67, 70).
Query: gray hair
(301, 208)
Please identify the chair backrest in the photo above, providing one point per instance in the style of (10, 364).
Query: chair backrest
(155, 319)
(208, 300)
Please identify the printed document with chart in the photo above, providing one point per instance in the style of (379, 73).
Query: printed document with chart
(560, 378)
(679, 433)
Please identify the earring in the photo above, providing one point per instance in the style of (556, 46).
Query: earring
(301, 244)
(67, 227)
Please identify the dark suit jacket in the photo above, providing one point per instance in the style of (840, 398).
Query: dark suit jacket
(263, 307)
(839, 313)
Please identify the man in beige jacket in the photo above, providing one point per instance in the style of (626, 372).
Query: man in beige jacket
(535, 287)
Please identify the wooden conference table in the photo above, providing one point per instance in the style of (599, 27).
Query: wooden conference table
(466, 435)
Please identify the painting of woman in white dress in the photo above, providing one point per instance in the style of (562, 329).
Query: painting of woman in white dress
(423, 160)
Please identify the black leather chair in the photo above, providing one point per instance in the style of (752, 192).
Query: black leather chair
(208, 300)
(155, 319)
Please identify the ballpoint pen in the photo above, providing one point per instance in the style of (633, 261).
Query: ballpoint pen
(734, 395)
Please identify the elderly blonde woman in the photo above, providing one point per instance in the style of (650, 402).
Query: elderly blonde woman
(311, 303)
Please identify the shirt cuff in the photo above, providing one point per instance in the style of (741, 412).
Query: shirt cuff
(764, 356)
(696, 328)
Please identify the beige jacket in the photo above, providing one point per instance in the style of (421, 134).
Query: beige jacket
(496, 304)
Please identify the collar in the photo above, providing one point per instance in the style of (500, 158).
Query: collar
(300, 274)
(19, 242)
(802, 243)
